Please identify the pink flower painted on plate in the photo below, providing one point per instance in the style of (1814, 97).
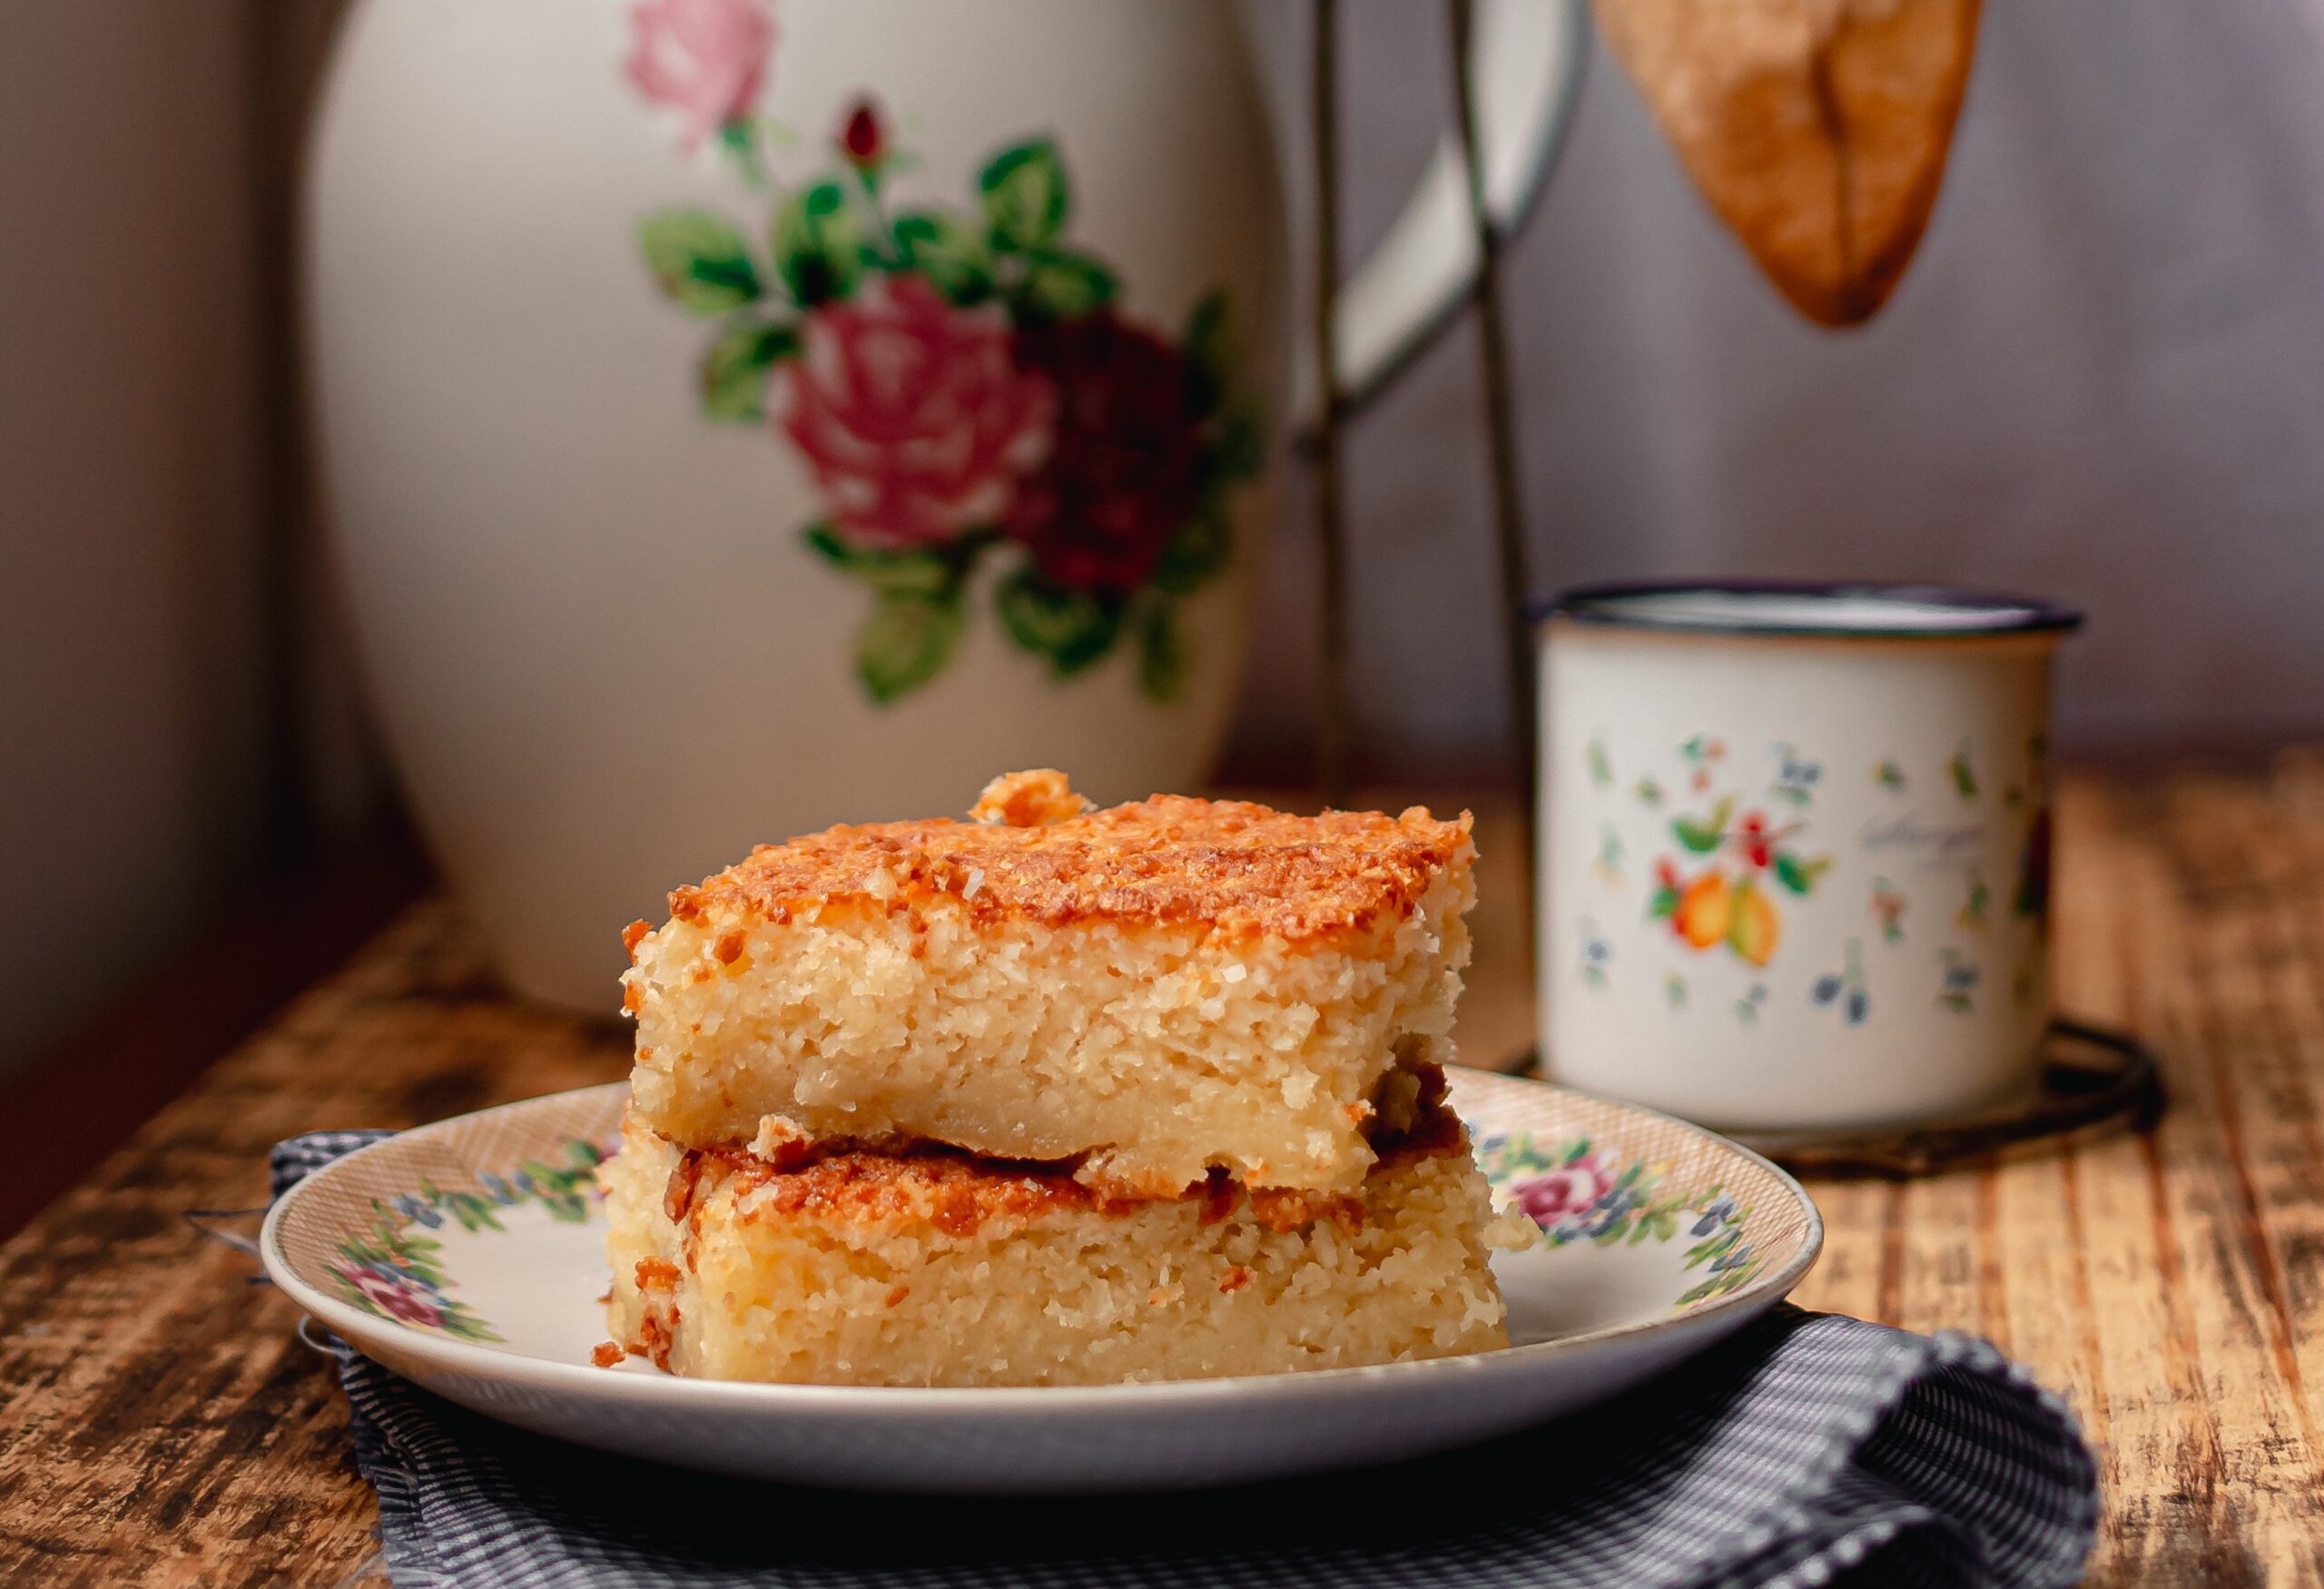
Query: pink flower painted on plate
(401, 1301)
(913, 414)
(703, 58)
(1567, 1192)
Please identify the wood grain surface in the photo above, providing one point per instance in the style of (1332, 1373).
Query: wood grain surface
(162, 1423)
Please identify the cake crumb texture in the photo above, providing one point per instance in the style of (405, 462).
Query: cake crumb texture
(935, 1268)
(1155, 990)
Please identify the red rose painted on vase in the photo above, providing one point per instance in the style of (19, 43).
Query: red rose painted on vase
(913, 415)
(1121, 480)
(705, 59)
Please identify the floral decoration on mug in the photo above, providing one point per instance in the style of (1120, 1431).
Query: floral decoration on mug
(1731, 900)
(962, 381)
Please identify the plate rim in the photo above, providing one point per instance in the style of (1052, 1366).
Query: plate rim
(450, 1356)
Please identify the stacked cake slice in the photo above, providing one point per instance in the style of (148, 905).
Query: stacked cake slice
(1055, 1096)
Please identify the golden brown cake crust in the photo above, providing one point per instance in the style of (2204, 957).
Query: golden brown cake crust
(1239, 868)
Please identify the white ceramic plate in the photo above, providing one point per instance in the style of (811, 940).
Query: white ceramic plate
(467, 1256)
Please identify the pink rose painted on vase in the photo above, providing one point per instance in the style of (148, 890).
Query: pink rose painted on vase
(1567, 1192)
(705, 59)
(912, 414)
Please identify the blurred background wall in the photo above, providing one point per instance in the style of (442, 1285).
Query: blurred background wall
(130, 635)
(175, 712)
(2103, 380)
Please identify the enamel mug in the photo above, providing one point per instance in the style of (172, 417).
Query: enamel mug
(1796, 848)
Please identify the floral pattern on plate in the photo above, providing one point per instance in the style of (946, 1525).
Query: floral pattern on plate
(1579, 1190)
(394, 1269)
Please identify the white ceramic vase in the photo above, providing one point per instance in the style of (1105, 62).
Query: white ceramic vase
(1795, 850)
(741, 416)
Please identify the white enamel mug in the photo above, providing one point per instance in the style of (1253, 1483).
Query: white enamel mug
(1795, 848)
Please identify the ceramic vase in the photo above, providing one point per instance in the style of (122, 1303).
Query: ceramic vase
(741, 416)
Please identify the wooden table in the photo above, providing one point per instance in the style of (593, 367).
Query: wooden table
(160, 1421)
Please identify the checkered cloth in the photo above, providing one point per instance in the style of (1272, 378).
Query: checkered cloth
(1808, 1449)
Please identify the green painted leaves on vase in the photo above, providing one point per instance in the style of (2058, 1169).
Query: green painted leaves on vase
(1161, 656)
(699, 259)
(1239, 440)
(1062, 285)
(1241, 448)
(1024, 194)
(1209, 343)
(1074, 629)
(818, 244)
(949, 252)
(1025, 198)
(1198, 553)
(737, 364)
(917, 612)
(905, 642)
(1071, 628)
(908, 571)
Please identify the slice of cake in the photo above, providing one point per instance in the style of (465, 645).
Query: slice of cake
(1151, 990)
(930, 1267)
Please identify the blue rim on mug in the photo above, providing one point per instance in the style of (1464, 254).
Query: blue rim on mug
(1658, 605)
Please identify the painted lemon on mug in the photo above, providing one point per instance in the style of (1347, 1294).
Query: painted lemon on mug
(1754, 927)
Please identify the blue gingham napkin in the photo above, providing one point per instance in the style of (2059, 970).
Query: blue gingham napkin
(1808, 1449)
